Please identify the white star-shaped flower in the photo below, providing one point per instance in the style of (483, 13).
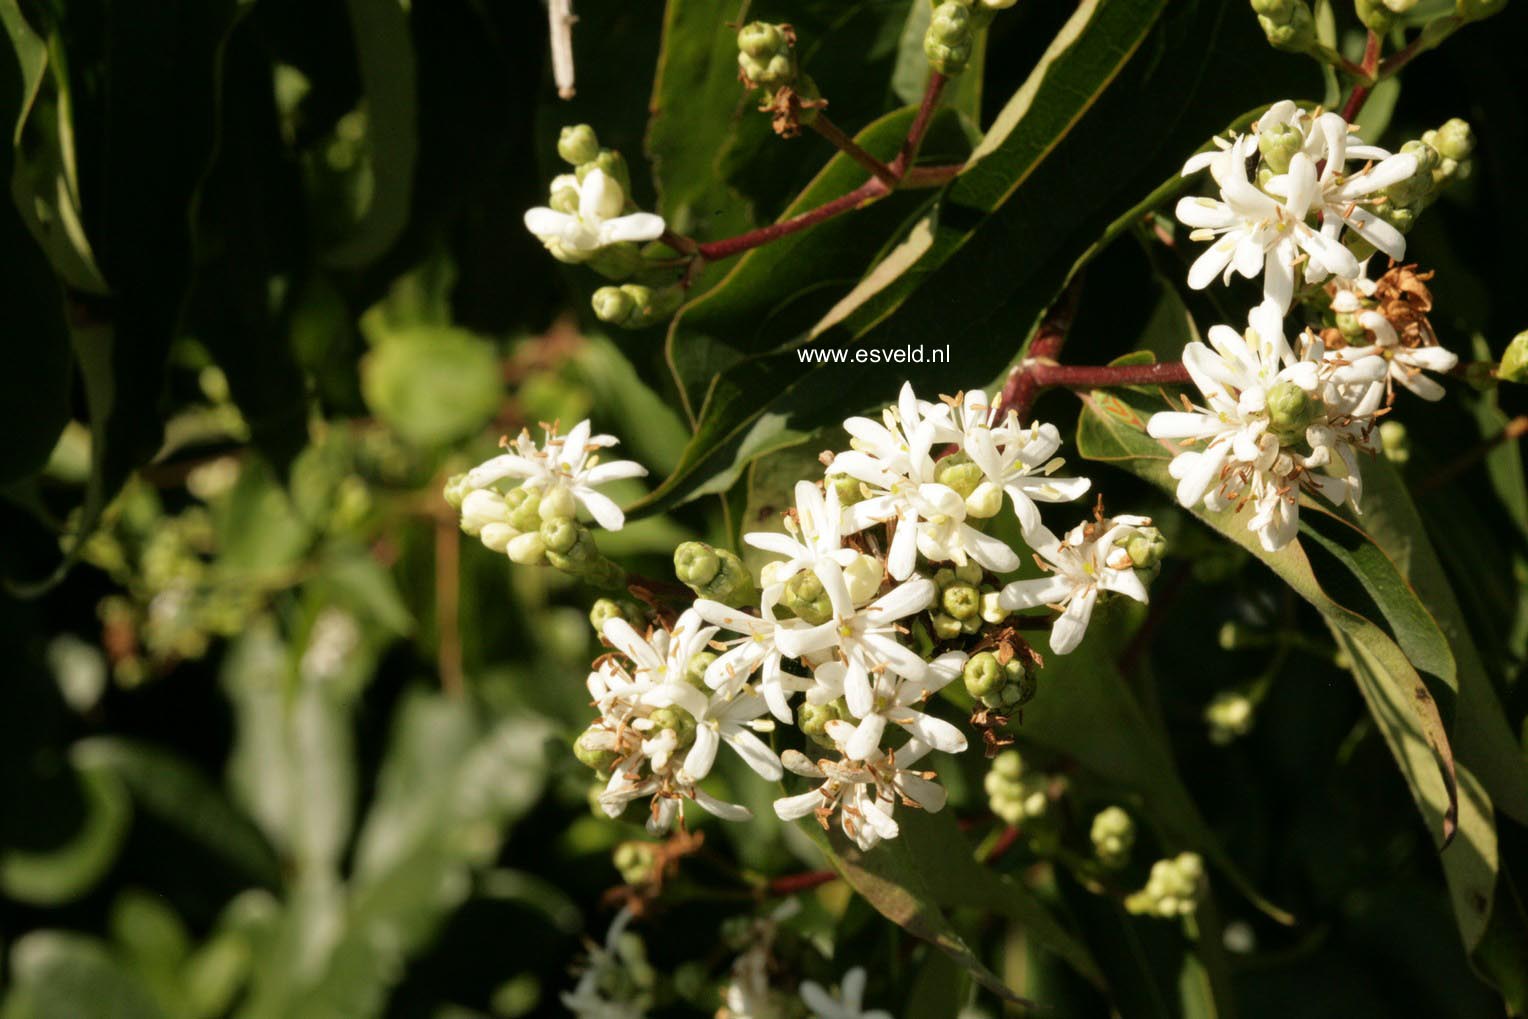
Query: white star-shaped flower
(1088, 561)
(598, 223)
(566, 469)
(849, 1004)
(894, 701)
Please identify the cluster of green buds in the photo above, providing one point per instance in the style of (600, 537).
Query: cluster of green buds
(1288, 24)
(635, 861)
(1173, 889)
(812, 720)
(533, 527)
(766, 60)
(999, 685)
(1113, 836)
(1016, 793)
(1380, 15)
(610, 608)
(1147, 547)
(1229, 716)
(953, 31)
(1443, 156)
(1514, 360)
(965, 604)
(714, 573)
(636, 305)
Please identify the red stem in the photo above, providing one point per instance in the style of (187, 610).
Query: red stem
(841, 141)
(1165, 373)
(865, 193)
(1361, 90)
(791, 884)
(921, 121)
(1021, 389)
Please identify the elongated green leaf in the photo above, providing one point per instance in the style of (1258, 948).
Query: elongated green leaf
(1075, 148)
(62, 872)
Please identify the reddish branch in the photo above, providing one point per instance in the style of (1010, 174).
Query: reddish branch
(921, 122)
(1361, 90)
(792, 884)
(849, 147)
(1021, 389)
(864, 194)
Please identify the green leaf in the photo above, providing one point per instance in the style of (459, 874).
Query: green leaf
(1113, 430)
(433, 385)
(59, 975)
(1046, 183)
(895, 879)
(63, 872)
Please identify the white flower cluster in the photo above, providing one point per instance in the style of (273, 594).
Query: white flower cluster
(838, 645)
(1280, 418)
(593, 217)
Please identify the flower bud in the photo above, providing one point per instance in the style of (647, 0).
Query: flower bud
(948, 41)
(456, 490)
(695, 668)
(1228, 716)
(1287, 24)
(848, 489)
(557, 503)
(1514, 361)
(592, 749)
(1419, 184)
(946, 627)
(578, 144)
(496, 537)
(761, 40)
(1146, 546)
(1291, 410)
(714, 573)
(992, 610)
(1278, 144)
(613, 305)
(604, 610)
(579, 557)
(1375, 15)
(527, 549)
(676, 719)
(565, 194)
(963, 601)
(1394, 441)
(983, 674)
(1021, 686)
(524, 508)
(863, 578)
(559, 534)
(634, 861)
(1009, 764)
(613, 164)
(765, 56)
(1113, 835)
(813, 720)
(482, 506)
(804, 595)
(1455, 140)
(615, 261)
(957, 471)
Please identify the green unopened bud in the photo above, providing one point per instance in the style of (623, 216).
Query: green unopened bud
(1021, 686)
(983, 674)
(848, 489)
(1474, 10)
(527, 549)
(969, 572)
(761, 40)
(1228, 716)
(577, 144)
(634, 861)
(592, 748)
(963, 601)
(496, 536)
(1291, 410)
(577, 558)
(1398, 216)
(559, 534)
(1375, 15)
(614, 166)
(1009, 764)
(1514, 361)
(946, 627)
(992, 610)
(1278, 144)
(714, 573)
(604, 610)
(1394, 441)
(565, 194)
(1234, 635)
(557, 503)
(1146, 546)
(695, 668)
(957, 471)
(1455, 140)
(482, 507)
(985, 502)
(613, 305)
(524, 508)
(1287, 24)
(1419, 184)
(804, 595)
(813, 720)
(1113, 835)
(616, 261)
(947, 43)
(676, 719)
(863, 578)
(456, 490)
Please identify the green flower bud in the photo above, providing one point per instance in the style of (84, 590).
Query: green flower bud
(1455, 140)
(1419, 184)
(456, 490)
(804, 595)
(1287, 24)
(1351, 328)
(1234, 635)
(1394, 441)
(634, 861)
(675, 718)
(761, 40)
(578, 144)
(947, 43)
(1228, 716)
(813, 720)
(713, 573)
(497, 536)
(1021, 686)
(613, 305)
(957, 471)
(944, 577)
(1146, 546)
(985, 502)
(1474, 10)
(863, 578)
(556, 504)
(1514, 361)
(848, 489)
(616, 261)
(970, 573)
(1278, 143)
(983, 674)
(1291, 410)
(1375, 15)
(1113, 835)
(695, 669)
(591, 750)
(946, 627)
(1009, 764)
(604, 610)
(963, 601)
(614, 166)
(524, 508)
(565, 198)
(527, 549)
(1400, 217)
(559, 534)
(579, 558)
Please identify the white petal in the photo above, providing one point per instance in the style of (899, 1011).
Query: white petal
(1067, 631)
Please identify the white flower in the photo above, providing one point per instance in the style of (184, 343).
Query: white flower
(863, 793)
(894, 701)
(719, 719)
(1017, 460)
(1405, 365)
(576, 236)
(848, 1006)
(864, 639)
(815, 535)
(930, 519)
(754, 650)
(565, 470)
(1089, 560)
(589, 999)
